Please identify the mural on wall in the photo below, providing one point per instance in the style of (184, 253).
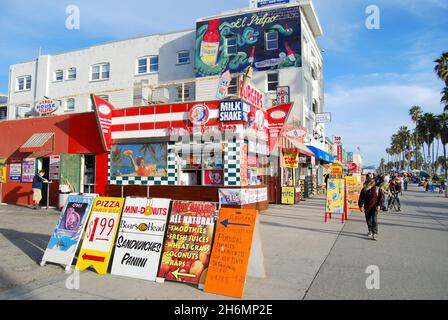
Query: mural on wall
(249, 36)
(139, 160)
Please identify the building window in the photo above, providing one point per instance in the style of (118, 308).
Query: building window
(315, 106)
(185, 95)
(314, 72)
(148, 65)
(23, 83)
(271, 40)
(272, 81)
(100, 72)
(183, 57)
(70, 105)
(22, 111)
(3, 113)
(231, 45)
(71, 74)
(233, 87)
(58, 75)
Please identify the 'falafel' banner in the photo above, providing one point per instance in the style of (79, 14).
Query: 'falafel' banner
(67, 233)
(140, 238)
(188, 241)
(100, 235)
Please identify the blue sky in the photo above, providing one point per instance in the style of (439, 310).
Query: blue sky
(372, 77)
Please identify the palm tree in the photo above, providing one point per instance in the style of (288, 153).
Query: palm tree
(117, 157)
(441, 67)
(444, 99)
(443, 134)
(427, 127)
(404, 139)
(415, 112)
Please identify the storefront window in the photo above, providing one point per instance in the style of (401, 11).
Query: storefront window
(139, 160)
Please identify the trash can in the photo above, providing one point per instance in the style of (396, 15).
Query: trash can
(64, 192)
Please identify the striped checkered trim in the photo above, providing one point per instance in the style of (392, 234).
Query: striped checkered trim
(170, 179)
(232, 163)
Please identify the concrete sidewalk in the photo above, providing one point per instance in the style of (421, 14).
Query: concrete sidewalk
(296, 243)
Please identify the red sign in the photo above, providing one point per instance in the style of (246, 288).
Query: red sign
(276, 117)
(103, 112)
(340, 153)
(251, 94)
(199, 114)
(214, 177)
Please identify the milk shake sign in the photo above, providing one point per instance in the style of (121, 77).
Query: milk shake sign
(46, 106)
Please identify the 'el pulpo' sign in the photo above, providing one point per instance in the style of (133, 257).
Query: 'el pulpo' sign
(235, 110)
(46, 106)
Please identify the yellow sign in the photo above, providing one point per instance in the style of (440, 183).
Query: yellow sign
(288, 194)
(335, 196)
(2, 170)
(100, 235)
(353, 190)
(291, 159)
(336, 168)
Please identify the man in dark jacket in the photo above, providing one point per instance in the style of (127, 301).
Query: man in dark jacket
(38, 181)
(370, 200)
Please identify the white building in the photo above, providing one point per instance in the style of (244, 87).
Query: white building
(3, 106)
(128, 72)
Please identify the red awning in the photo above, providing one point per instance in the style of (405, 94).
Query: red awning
(36, 142)
(301, 147)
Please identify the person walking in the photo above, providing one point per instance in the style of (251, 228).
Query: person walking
(37, 185)
(406, 182)
(385, 189)
(370, 200)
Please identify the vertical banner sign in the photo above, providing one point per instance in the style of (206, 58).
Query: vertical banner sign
(67, 233)
(103, 112)
(15, 170)
(99, 238)
(140, 238)
(354, 187)
(55, 164)
(243, 165)
(335, 196)
(2, 170)
(276, 117)
(28, 169)
(340, 153)
(230, 257)
(282, 95)
(188, 241)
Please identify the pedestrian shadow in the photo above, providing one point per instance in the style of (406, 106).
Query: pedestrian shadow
(32, 244)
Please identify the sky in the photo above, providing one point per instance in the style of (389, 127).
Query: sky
(372, 77)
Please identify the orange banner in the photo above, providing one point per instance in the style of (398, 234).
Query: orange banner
(230, 256)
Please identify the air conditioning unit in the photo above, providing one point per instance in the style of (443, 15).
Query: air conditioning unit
(160, 94)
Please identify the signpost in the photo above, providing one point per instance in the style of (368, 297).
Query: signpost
(140, 238)
(99, 238)
(67, 233)
(230, 258)
(2, 178)
(188, 242)
(323, 117)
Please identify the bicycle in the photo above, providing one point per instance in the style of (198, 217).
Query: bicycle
(394, 204)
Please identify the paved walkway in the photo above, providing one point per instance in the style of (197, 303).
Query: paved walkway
(304, 257)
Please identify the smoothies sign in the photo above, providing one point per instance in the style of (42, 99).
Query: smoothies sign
(46, 106)
(100, 234)
(139, 243)
(188, 241)
(335, 196)
(103, 112)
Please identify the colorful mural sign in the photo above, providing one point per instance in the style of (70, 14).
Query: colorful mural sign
(139, 160)
(28, 169)
(187, 246)
(266, 40)
(335, 196)
(99, 238)
(235, 197)
(140, 238)
(229, 264)
(67, 233)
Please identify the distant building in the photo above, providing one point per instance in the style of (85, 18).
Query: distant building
(3, 107)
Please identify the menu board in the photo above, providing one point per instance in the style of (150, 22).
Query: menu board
(15, 170)
(188, 241)
(230, 257)
(55, 164)
(335, 196)
(354, 187)
(139, 243)
(28, 169)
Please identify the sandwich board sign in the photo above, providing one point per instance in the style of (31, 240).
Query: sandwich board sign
(140, 238)
(231, 252)
(99, 238)
(67, 233)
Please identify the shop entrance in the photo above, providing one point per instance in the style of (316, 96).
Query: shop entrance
(44, 164)
(88, 181)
